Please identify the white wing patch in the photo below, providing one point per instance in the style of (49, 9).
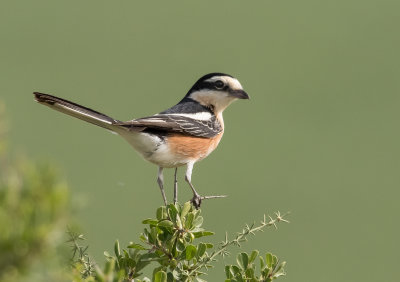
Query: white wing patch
(198, 116)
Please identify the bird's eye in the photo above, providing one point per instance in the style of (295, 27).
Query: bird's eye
(219, 84)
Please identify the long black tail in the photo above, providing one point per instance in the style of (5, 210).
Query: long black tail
(76, 110)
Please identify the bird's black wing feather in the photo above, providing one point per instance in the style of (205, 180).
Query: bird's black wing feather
(176, 124)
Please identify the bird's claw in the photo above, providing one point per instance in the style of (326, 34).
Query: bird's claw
(196, 201)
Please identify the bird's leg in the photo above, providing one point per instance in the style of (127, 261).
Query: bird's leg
(176, 186)
(160, 181)
(196, 200)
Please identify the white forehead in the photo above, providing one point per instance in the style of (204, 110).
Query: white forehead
(231, 81)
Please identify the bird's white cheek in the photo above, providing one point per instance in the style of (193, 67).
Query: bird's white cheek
(219, 100)
(223, 102)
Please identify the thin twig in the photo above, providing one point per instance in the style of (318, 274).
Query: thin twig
(241, 237)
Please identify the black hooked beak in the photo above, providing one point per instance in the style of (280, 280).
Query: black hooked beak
(240, 94)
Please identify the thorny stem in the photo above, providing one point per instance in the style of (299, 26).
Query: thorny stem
(161, 248)
(241, 237)
(213, 197)
(80, 252)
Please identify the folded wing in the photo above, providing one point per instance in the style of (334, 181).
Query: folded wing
(176, 124)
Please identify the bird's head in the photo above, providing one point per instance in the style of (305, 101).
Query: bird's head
(217, 91)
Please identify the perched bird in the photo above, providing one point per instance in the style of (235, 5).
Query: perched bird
(181, 135)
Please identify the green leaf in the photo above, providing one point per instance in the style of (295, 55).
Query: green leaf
(198, 221)
(145, 235)
(280, 270)
(189, 221)
(196, 212)
(153, 235)
(262, 263)
(274, 261)
(228, 272)
(167, 224)
(170, 277)
(179, 221)
(149, 257)
(201, 249)
(117, 250)
(160, 276)
(109, 267)
(150, 221)
(178, 207)
(235, 270)
(268, 259)
(173, 263)
(200, 280)
(250, 273)
(253, 256)
(136, 246)
(209, 245)
(173, 248)
(180, 246)
(172, 211)
(202, 234)
(107, 255)
(143, 238)
(185, 209)
(190, 252)
(161, 213)
(280, 273)
(281, 266)
(176, 275)
(189, 237)
(242, 260)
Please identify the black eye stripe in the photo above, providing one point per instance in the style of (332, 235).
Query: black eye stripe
(208, 85)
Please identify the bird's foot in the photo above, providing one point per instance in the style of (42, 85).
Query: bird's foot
(197, 199)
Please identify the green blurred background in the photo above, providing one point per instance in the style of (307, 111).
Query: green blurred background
(319, 137)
